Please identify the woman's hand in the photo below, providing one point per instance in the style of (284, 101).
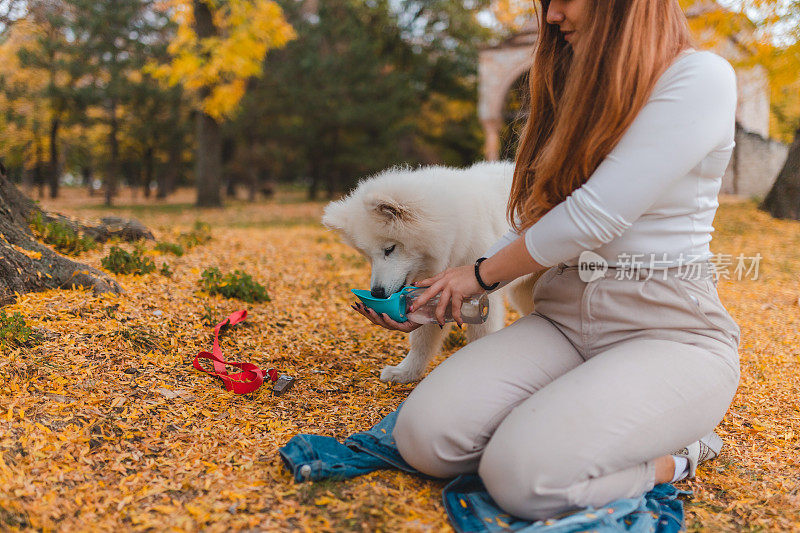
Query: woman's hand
(454, 284)
(383, 320)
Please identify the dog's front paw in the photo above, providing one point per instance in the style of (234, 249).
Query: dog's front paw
(400, 374)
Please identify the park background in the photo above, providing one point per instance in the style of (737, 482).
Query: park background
(224, 127)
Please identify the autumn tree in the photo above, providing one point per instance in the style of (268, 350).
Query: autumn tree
(366, 85)
(112, 41)
(783, 199)
(76, 61)
(25, 109)
(445, 36)
(46, 52)
(156, 123)
(769, 33)
(217, 48)
(156, 129)
(335, 103)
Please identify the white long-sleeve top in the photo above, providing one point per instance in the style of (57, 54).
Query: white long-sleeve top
(656, 191)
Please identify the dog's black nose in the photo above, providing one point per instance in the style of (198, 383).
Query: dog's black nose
(378, 292)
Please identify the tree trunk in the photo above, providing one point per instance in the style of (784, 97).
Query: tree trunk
(28, 180)
(252, 182)
(208, 166)
(38, 172)
(332, 176)
(169, 176)
(316, 177)
(783, 200)
(167, 179)
(313, 188)
(735, 164)
(54, 166)
(133, 176)
(230, 186)
(114, 167)
(25, 264)
(266, 185)
(88, 179)
(231, 157)
(147, 171)
(332, 183)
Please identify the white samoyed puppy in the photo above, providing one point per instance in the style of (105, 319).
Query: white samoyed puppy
(414, 223)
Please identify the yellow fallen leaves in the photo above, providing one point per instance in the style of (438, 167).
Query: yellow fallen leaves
(30, 253)
(108, 426)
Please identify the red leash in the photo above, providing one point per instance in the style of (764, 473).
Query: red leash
(249, 379)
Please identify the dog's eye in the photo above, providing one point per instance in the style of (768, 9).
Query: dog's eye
(389, 250)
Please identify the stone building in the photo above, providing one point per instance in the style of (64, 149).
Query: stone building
(756, 160)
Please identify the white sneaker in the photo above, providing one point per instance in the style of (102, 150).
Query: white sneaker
(703, 450)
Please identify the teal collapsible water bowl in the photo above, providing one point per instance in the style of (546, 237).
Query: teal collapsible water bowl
(394, 305)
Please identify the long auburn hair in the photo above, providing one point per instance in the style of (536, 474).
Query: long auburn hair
(582, 104)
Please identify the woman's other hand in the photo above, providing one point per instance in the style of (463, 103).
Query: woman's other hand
(454, 284)
(383, 320)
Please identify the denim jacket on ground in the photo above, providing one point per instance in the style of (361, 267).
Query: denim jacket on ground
(469, 506)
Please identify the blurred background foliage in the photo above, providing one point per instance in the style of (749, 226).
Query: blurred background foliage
(222, 94)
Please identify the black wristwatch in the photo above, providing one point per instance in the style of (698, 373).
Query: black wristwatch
(484, 286)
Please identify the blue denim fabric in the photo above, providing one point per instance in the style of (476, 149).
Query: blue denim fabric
(471, 510)
(378, 442)
(313, 457)
(469, 506)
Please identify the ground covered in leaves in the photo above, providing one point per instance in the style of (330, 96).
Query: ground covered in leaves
(104, 424)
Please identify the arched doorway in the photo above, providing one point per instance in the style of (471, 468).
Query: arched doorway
(516, 108)
(499, 71)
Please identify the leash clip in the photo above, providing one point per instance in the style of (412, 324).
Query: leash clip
(283, 384)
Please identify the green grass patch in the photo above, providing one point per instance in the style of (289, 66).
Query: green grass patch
(165, 270)
(15, 333)
(142, 210)
(60, 236)
(200, 234)
(119, 261)
(285, 222)
(238, 285)
(170, 248)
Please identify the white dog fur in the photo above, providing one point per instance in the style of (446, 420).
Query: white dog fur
(435, 217)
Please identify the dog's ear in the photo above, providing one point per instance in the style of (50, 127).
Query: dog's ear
(335, 216)
(391, 211)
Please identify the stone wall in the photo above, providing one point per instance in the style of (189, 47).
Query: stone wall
(755, 164)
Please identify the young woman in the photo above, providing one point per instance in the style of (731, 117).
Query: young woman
(586, 400)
